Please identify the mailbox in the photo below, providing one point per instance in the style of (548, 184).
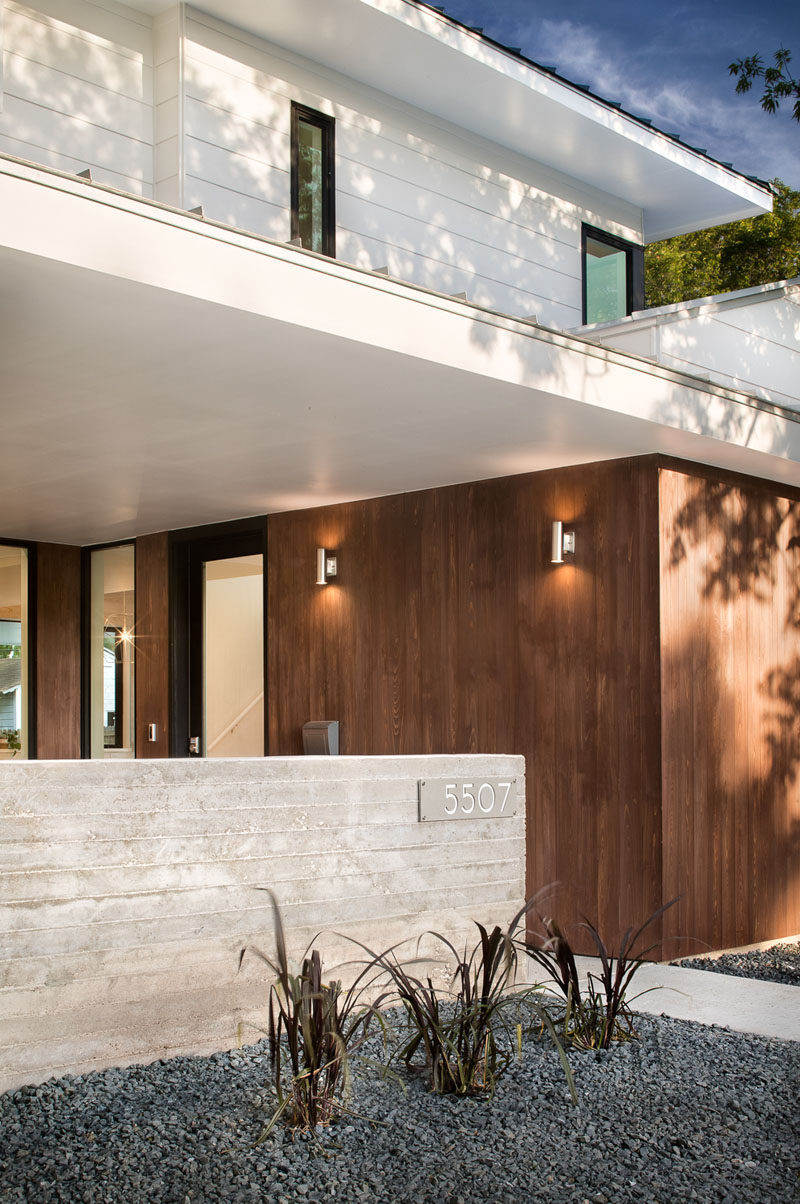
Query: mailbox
(321, 737)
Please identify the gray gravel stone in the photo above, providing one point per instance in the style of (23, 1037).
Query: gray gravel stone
(780, 963)
(689, 1113)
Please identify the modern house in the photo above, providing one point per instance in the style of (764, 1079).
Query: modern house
(347, 275)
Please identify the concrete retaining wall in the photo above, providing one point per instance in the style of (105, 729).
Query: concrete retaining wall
(128, 889)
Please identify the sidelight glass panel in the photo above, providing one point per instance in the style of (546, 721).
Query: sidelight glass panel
(233, 657)
(606, 282)
(112, 652)
(14, 658)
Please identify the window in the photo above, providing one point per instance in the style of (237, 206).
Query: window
(15, 670)
(111, 651)
(312, 186)
(613, 276)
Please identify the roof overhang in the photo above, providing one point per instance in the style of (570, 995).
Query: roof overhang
(161, 371)
(427, 60)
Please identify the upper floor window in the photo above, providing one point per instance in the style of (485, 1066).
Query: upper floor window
(312, 186)
(613, 276)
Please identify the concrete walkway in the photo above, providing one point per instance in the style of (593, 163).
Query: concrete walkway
(746, 1005)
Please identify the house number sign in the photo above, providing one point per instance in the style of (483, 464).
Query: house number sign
(459, 798)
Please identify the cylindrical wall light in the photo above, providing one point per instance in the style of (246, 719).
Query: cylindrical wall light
(563, 542)
(326, 566)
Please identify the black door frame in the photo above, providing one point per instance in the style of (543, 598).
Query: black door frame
(188, 550)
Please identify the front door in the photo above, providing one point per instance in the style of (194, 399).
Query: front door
(218, 644)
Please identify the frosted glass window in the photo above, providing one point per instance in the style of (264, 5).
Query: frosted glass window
(606, 282)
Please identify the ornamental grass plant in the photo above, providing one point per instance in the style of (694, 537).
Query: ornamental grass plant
(596, 1014)
(467, 1034)
(314, 1026)
(462, 1036)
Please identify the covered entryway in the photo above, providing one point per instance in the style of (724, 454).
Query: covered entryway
(218, 640)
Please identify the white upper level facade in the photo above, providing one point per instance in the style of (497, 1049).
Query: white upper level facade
(747, 340)
(458, 165)
(437, 336)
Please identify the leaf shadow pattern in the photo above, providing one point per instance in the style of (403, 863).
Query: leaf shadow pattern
(740, 544)
(751, 538)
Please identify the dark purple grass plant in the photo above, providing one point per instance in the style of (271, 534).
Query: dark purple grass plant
(314, 1026)
(468, 1034)
(597, 1014)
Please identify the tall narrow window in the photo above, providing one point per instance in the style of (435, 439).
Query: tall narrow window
(312, 185)
(111, 645)
(14, 659)
(613, 276)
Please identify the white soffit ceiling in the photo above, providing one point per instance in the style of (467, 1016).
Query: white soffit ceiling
(140, 409)
(422, 58)
(163, 372)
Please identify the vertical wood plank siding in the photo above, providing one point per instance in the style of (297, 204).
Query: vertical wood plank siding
(448, 630)
(730, 671)
(152, 644)
(58, 651)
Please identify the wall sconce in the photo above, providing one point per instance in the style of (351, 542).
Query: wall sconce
(326, 566)
(563, 542)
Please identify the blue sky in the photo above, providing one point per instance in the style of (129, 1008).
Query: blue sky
(668, 62)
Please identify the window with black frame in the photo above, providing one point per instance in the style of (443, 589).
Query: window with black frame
(15, 674)
(613, 276)
(312, 180)
(111, 647)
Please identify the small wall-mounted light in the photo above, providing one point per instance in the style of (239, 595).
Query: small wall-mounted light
(563, 543)
(326, 566)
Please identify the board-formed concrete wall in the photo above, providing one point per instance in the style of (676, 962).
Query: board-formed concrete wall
(127, 890)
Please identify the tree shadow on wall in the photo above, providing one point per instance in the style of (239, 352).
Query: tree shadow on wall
(753, 535)
(747, 549)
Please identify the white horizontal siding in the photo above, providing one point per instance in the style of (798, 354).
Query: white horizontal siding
(79, 90)
(748, 344)
(756, 347)
(128, 889)
(439, 208)
(168, 108)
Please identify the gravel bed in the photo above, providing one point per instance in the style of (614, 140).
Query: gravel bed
(781, 963)
(688, 1113)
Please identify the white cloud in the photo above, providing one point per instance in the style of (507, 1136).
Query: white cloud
(702, 109)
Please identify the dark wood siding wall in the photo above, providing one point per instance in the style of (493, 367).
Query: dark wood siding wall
(449, 630)
(152, 644)
(730, 667)
(653, 683)
(58, 651)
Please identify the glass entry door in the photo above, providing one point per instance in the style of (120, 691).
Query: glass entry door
(233, 657)
(217, 592)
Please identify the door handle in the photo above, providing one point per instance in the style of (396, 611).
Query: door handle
(194, 745)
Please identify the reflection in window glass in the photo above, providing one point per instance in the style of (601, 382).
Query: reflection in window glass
(14, 666)
(111, 627)
(606, 282)
(310, 185)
